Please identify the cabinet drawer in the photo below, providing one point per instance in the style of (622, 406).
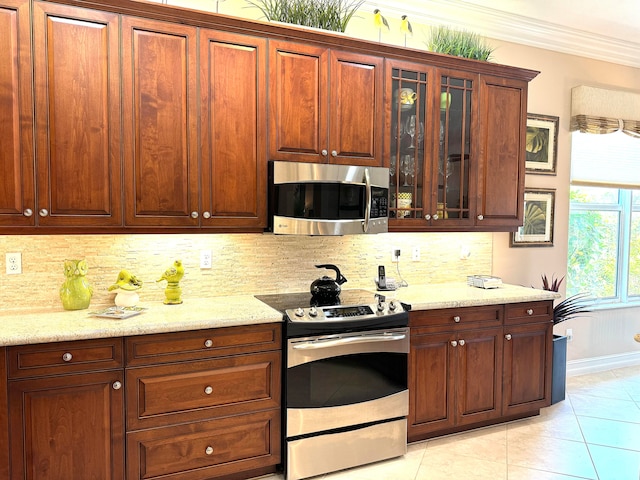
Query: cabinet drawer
(456, 318)
(190, 391)
(199, 344)
(204, 450)
(530, 312)
(65, 357)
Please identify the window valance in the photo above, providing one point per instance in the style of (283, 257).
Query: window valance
(602, 111)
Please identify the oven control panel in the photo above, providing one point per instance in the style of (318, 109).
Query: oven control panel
(341, 313)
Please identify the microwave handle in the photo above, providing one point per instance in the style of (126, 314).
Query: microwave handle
(367, 210)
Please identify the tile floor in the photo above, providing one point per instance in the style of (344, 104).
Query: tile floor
(593, 434)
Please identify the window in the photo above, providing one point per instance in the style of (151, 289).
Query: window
(604, 226)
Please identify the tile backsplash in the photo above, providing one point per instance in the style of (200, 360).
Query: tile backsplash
(242, 263)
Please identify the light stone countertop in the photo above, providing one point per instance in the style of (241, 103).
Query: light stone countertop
(29, 326)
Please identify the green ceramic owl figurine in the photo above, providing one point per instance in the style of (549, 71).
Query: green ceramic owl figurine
(75, 292)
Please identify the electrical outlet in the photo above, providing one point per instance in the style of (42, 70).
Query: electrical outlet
(395, 254)
(205, 259)
(415, 254)
(569, 334)
(14, 263)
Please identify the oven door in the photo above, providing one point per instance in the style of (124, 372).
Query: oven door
(344, 380)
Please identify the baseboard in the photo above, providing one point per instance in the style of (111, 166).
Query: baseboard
(601, 364)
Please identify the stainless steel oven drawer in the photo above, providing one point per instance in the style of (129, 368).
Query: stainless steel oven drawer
(312, 456)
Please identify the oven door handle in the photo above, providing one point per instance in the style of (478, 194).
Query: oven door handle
(334, 342)
(367, 209)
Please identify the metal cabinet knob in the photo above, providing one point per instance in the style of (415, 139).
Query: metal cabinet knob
(456, 319)
(530, 311)
(427, 217)
(454, 343)
(436, 216)
(481, 217)
(206, 215)
(508, 336)
(194, 215)
(324, 153)
(208, 343)
(334, 153)
(28, 212)
(462, 342)
(67, 357)
(208, 390)
(44, 212)
(117, 385)
(208, 450)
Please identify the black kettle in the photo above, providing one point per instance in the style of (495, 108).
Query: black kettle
(326, 286)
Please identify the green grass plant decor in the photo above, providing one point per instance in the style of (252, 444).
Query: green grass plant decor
(331, 15)
(459, 43)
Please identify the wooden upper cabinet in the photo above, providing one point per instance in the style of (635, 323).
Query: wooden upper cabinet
(325, 105)
(160, 123)
(17, 195)
(503, 117)
(77, 108)
(233, 116)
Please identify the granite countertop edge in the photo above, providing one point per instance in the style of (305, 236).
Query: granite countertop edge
(31, 326)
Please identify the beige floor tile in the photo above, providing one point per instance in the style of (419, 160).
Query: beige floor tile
(612, 409)
(615, 463)
(437, 465)
(611, 433)
(560, 424)
(402, 468)
(549, 454)
(521, 473)
(488, 444)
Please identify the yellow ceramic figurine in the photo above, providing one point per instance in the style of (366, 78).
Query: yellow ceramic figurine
(125, 289)
(173, 275)
(75, 292)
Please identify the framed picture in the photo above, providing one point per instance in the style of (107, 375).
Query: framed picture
(537, 229)
(541, 146)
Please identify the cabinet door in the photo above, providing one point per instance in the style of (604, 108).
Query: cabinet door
(527, 367)
(67, 427)
(503, 114)
(355, 109)
(478, 373)
(455, 175)
(430, 384)
(408, 102)
(77, 107)
(17, 200)
(233, 130)
(298, 102)
(160, 123)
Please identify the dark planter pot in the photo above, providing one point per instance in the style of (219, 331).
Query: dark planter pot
(559, 369)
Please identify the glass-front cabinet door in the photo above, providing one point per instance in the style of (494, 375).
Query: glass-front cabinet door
(431, 120)
(456, 157)
(409, 100)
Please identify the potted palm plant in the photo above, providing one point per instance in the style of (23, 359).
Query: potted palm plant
(571, 307)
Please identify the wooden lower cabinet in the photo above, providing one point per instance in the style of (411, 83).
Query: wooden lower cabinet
(182, 406)
(462, 376)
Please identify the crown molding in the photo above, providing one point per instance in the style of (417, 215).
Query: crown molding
(514, 28)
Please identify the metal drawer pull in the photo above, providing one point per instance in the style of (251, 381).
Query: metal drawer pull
(461, 343)
(530, 311)
(334, 342)
(117, 385)
(208, 343)
(508, 336)
(208, 390)
(208, 450)
(67, 357)
(456, 319)
(454, 343)
(28, 212)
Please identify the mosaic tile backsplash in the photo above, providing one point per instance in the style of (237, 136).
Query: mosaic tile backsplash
(243, 264)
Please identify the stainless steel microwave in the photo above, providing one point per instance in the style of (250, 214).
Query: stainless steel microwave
(323, 199)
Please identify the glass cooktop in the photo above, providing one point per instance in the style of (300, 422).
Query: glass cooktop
(290, 301)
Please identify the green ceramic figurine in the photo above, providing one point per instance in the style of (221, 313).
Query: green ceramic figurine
(125, 288)
(75, 292)
(173, 275)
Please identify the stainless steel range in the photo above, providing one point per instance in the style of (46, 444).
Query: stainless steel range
(345, 387)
